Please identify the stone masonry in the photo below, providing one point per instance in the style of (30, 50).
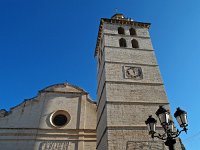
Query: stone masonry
(130, 87)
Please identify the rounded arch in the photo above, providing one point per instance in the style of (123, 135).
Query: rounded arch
(132, 31)
(134, 43)
(121, 30)
(122, 42)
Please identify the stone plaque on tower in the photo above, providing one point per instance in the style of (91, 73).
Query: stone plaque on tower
(131, 72)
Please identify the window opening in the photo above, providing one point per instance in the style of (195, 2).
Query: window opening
(121, 30)
(135, 43)
(122, 42)
(132, 31)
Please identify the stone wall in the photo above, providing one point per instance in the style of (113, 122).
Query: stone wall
(130, 88)
(29, 125)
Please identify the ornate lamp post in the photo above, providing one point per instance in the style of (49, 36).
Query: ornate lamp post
(170, 133)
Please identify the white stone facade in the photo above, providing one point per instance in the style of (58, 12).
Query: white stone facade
(29, 125)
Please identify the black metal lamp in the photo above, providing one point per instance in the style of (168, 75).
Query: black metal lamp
(163, 115)
(170, 132)
(181, 117)
(151, 125)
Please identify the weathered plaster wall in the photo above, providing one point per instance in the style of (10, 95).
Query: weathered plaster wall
(28, 125)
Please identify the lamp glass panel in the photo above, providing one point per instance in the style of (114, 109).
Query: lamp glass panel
(148, 127)
(184, 119)
(164, 118)
(167, 118)
(171, 127)
(153, 127)
(178, 118)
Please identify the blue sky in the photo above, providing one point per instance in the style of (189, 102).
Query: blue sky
(44, 42)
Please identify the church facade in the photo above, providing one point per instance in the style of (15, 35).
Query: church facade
(130, 88)
(60, 117)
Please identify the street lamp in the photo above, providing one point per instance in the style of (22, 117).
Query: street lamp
(168, 125)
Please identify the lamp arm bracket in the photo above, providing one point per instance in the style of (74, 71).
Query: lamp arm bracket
(159, 136)
(179, 132)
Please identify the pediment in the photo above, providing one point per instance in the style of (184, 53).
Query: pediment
(63, 88)
(57, 88)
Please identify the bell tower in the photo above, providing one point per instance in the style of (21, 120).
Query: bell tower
(129, 88)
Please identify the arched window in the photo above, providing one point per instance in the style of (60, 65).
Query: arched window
(132, 31)
(121, 30)
(122, 42)
(135, 43)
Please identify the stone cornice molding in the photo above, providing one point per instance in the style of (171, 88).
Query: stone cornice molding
(129, 36)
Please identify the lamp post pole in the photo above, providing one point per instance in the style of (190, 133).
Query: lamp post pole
(170, 143)
(164, 117)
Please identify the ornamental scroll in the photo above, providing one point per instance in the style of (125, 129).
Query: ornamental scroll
(54, 145)
(145, 145)
(131, 72)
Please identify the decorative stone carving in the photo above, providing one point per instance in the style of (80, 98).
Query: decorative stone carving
(131, 72)
(54, 145)
(145, 145)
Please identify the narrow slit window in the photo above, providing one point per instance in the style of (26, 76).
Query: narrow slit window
(122, 42)
(135, 43)
(121, 30)
(132, 31)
